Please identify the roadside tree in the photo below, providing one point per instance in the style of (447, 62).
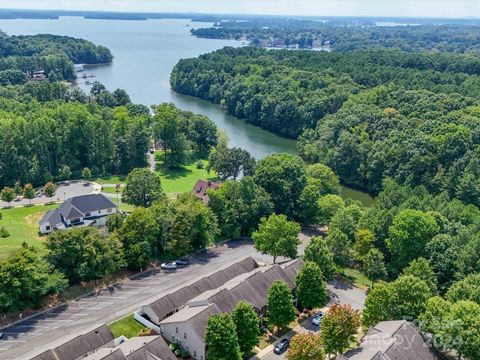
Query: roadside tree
(143, 188)
(280, 309)
(221, 338)
(277, 236)
(311, 288)
(339, 327)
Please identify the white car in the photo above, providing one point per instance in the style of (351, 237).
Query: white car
(168, 266)
(317, 319)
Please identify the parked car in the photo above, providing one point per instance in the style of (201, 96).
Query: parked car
(181, 262)
(281, 346)
(168, 266)
(317, 319)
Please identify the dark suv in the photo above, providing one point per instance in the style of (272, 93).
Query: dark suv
(281, 346)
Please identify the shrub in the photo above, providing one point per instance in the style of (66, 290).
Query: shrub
(4, 232)
(199, 164)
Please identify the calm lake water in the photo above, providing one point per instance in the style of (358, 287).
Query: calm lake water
(144, 55)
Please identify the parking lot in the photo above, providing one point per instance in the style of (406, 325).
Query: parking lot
(44, 331)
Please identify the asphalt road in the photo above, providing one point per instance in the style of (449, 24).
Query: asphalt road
(344, 294)
(35, 335)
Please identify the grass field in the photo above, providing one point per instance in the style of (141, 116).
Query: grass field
(181, 179)
(357, 278)
(114, 179)
(22, 224)
(127, 326)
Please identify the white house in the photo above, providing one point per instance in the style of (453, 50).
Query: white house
(85, 210)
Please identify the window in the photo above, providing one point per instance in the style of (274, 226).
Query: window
(47, 227)
(109, 210)
(88, 214)
(76, 220)
(173, 338)
(176, 330)
(195, 354)
(184, 335)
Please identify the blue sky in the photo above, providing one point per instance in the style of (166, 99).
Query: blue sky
(411, 8)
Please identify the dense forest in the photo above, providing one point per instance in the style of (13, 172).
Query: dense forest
(45, 126)
(347, 34)
(409, 116)
(21, 56)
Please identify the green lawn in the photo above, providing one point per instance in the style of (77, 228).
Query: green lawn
(127, 326)
(181, 179)
(357, 278)
(22, 224)
(111, 190)
(114, 179)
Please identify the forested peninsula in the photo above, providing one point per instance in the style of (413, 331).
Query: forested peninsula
(51, 55)
(367, 114)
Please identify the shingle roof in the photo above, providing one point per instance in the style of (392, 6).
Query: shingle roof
(171, 302)
(391, 340)
(77, 207)
(154, 345)
(52, 217)
(79, 346)
(91, 202)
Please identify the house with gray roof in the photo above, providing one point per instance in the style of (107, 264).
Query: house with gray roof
(187, 325)
(391, 340)
(80, 346)
(135, 348)
(85, 210)
(172, 302)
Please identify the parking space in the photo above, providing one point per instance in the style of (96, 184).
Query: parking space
(94, 308)
(75, 310)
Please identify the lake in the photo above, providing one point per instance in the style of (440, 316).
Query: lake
(144, 55)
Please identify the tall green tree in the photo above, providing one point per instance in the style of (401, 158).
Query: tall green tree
(329, 182)
(339, 327)
(328, 205)
(318, 252)
(374, 266)
(230, 163)
(167, 129)
(7, 195)
(465, 289)
(29, 192)
(311, 288)
(50, 189)
(139, 233)
(422, 270)
(283, 176)
(410, 232)
(84, 254)
(142, 188)
(277, 236)
(25, 278)
(340, 247)
(221, 338)
(280, 309)
(239, 206)
(247, 325)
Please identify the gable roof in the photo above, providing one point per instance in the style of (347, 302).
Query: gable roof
(175, 300)
(391, 340)
(77, 207)
(51, 217)
(201, 188)
(251, 287)
(79, 346)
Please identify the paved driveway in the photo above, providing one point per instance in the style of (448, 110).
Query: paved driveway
(65, 190)
(32, 336)
(341, 292)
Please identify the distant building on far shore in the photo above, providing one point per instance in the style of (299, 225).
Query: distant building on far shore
(200, 190)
